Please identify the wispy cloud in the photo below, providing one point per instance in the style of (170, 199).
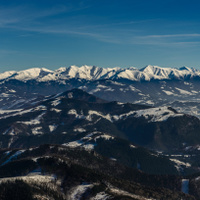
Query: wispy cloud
(71, 31)
(168, 40)
(23, 15)
(21, 18)
(172, 35)
(121, 32)
(5, 52)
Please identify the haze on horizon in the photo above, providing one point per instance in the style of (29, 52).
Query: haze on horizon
(102, 33)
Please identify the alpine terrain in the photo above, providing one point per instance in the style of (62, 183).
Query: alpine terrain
(100, 133)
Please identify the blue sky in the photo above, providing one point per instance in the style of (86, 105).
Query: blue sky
(105, 33)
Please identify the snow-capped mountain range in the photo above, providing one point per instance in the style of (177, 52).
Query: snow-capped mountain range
(152, 85)
(98, 73)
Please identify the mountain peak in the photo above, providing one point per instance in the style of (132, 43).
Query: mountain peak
(185, 68)
(61, 69)
(149, 69)
(7, 74)
(32, 73)
(81, 95)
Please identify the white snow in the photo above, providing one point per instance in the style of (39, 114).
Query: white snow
(152, 112)
(13, 156)
(125, 193)
(6, 74)
(86, 143)
(10, 142)
(101, 196)
(55, 102)
(157, 114)
(7, 152)
(116, 83)
(133, 89)
(41, 107)
(197, 178)
(33, 121)
(179, 164)
(149, 102)
(73, 144)
(88, 147)
(102, 86)
(193, 91)
(113, 159)
(92, 112)
(77, 192)
(97, 73)
(74, 112)
(168, 92)
(120, 103)
(183, 91)
(29, 74)
(9, 131)
(70, 95)
(79, 143)
(109, 89)
(56, 110)
(8, 111)
(31, 178)
(104, 136)
(89, 116)
(4, 95)
(23, 111)
(37, 131)
(52, 127)
(80, 130)
(94, 91)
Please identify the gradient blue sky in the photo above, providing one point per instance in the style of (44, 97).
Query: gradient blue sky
(105, 33)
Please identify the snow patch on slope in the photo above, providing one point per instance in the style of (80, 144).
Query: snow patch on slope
(157, 114)
(33, 121)
(184, 92)
(34, 178)
(125, 193)
(55, 102)
(80, 130)
(56, 110)
(179, 164)
(52, 127)
(13, 156)
(101, 196)
(77, 192)
(37, 131)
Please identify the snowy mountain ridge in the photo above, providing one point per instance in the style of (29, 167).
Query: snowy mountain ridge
(98, 73)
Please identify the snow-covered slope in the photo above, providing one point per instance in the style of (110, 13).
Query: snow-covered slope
(96, 73)
(29, 74)
(77, 112)
(20, 89)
